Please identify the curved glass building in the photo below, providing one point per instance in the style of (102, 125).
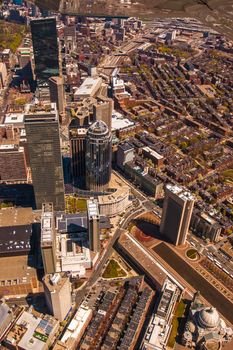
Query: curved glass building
(98, 157)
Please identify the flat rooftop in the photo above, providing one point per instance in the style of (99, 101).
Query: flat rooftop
(92, 208)
(119, 122)
(180, 192)
(88, 86)
(55, 282)
(152, 153)
(14, 118)
(16, 216)
(16, 267)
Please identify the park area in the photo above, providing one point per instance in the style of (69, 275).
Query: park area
(113, 270)
(11, 35)
(75, 204)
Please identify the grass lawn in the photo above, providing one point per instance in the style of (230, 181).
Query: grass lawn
(11, 35)
(191, 253)
(175, 323)
(75, 205)
(113, 270)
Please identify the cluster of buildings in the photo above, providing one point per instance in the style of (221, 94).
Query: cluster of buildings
(159, 111)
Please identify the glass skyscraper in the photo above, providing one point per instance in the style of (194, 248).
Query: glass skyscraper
(98, 157)
(43, 142)
(45, 48)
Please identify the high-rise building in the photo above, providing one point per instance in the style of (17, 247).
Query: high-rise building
(43, 143)
(98, 157)
(45, 48)
(78, 143)
(93, 219)
(177, 213)
(102, 110)
(57, 291)
(57, 94)
(48, 238)
(77, 135)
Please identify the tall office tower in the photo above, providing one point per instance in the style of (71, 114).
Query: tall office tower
(57, 289)
(57, 94)
(48, 238)
(93, 219)
(98, 157)
(77, 135)
(177, 213)
(43, 141)
(45, 48)
(78, 145)
(103, 110)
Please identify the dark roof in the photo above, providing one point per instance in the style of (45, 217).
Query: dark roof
(126, 146)
(15, 239)
(77, 222)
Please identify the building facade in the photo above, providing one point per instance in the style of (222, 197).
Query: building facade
(45, 48)
(177, 213)
(57, 94)
(43, 141)
(57, 290)
(98, 157)
(93, 224)
(48, 239)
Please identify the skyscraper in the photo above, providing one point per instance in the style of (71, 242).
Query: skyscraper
(78, 166)
(57, 94)
(48, 238)
(98, 157)
(45, 48)
(57, 290)
(177, 213)
(43, 141)
(93, 219)
(102, 110)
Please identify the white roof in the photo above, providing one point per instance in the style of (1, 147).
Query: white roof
(92, 208)
(153, 153)
(28, 341)
(119, 122)
(88, 86)
(14, 118)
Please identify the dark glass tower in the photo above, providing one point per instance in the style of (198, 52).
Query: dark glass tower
(98, 156)
(43, 140)
(45, 48)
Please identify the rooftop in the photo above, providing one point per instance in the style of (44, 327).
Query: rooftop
(55, 282)
(180, 192)
(92, 208)
(119, 122)
(14, 118)
(88, 86)
(16, 216)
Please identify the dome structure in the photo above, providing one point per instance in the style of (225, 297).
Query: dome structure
(98, 128)
(208, 318)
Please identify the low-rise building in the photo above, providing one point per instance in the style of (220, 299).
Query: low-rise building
(114, 203)
(75, 329)
(159, 328)
(32, 331)
(203, 225)
(89, 88)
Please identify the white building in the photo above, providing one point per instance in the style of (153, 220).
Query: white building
(76, 328)
(89, 88)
